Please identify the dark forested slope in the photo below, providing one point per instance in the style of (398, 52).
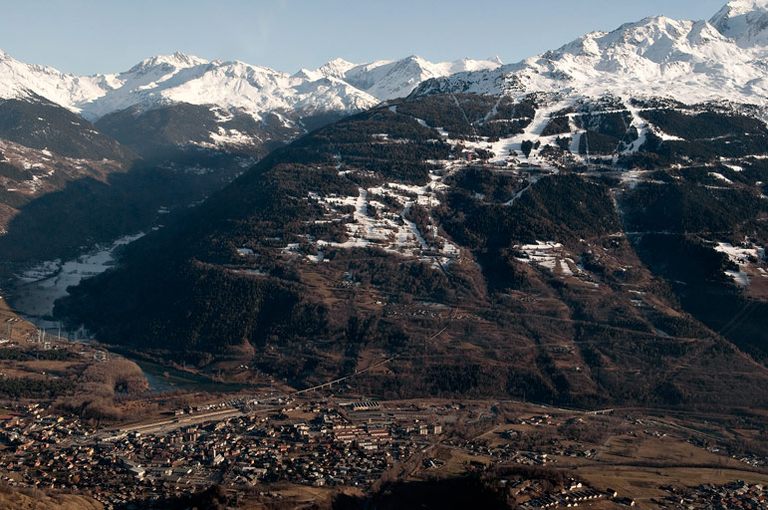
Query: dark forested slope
(420, 232)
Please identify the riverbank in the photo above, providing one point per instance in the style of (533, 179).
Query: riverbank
(35, 291)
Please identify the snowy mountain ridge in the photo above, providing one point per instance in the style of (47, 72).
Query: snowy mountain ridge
(689, 61)
(181, 78)
(18, 79)
(745, 21)
(389, 80)
(725, 58)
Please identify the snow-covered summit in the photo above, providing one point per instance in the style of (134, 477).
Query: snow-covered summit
(177, 60)
(338, 85)
(163, 80)
(744, 21)
(228, 85)
(691, 61)
(18, 80)
(389, 80)
(336, 68)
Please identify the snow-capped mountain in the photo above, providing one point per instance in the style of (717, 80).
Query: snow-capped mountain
(389, 80)
(690, 61)
(18, 79)
(180, 78)
(338, 86)
(744, 21)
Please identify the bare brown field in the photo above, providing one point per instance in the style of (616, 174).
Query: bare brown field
(32, 499)
(284, 496)
(643, 484)
(21, 330)
(635, 455)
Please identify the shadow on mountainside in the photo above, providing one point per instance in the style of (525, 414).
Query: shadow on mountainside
(88, 211)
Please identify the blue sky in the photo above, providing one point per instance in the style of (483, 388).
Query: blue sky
(89, 36)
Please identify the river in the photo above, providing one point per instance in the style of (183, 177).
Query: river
(38, 288)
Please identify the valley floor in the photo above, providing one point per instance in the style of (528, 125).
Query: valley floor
(273, 447)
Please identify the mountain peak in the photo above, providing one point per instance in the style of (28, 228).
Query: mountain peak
(339, 85)
(656, 39)
(739, 7)
(177, 60)
(336, 68)
(339, 62)
(656, 56)
(744, 21)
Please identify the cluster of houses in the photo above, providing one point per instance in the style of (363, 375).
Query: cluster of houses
(537, 421)
(753, 460)
(536, 494)
(738, 495)
(515, 452)
(50, 452)
(54, 452)
(566, 499)
(251, 449)
(278, 440)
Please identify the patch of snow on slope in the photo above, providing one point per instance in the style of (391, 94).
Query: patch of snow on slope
(549, 255)
(745, 257)
(386, 227)
(232, 137)
(720, 177)
(735, 168)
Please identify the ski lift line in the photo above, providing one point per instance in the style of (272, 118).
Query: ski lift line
(626, 131)
(468, 307)
(593, 324)
(370, 367)
(738, 319)
(445, 328)
(495, 110)
(546, 317)
(464, 114)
